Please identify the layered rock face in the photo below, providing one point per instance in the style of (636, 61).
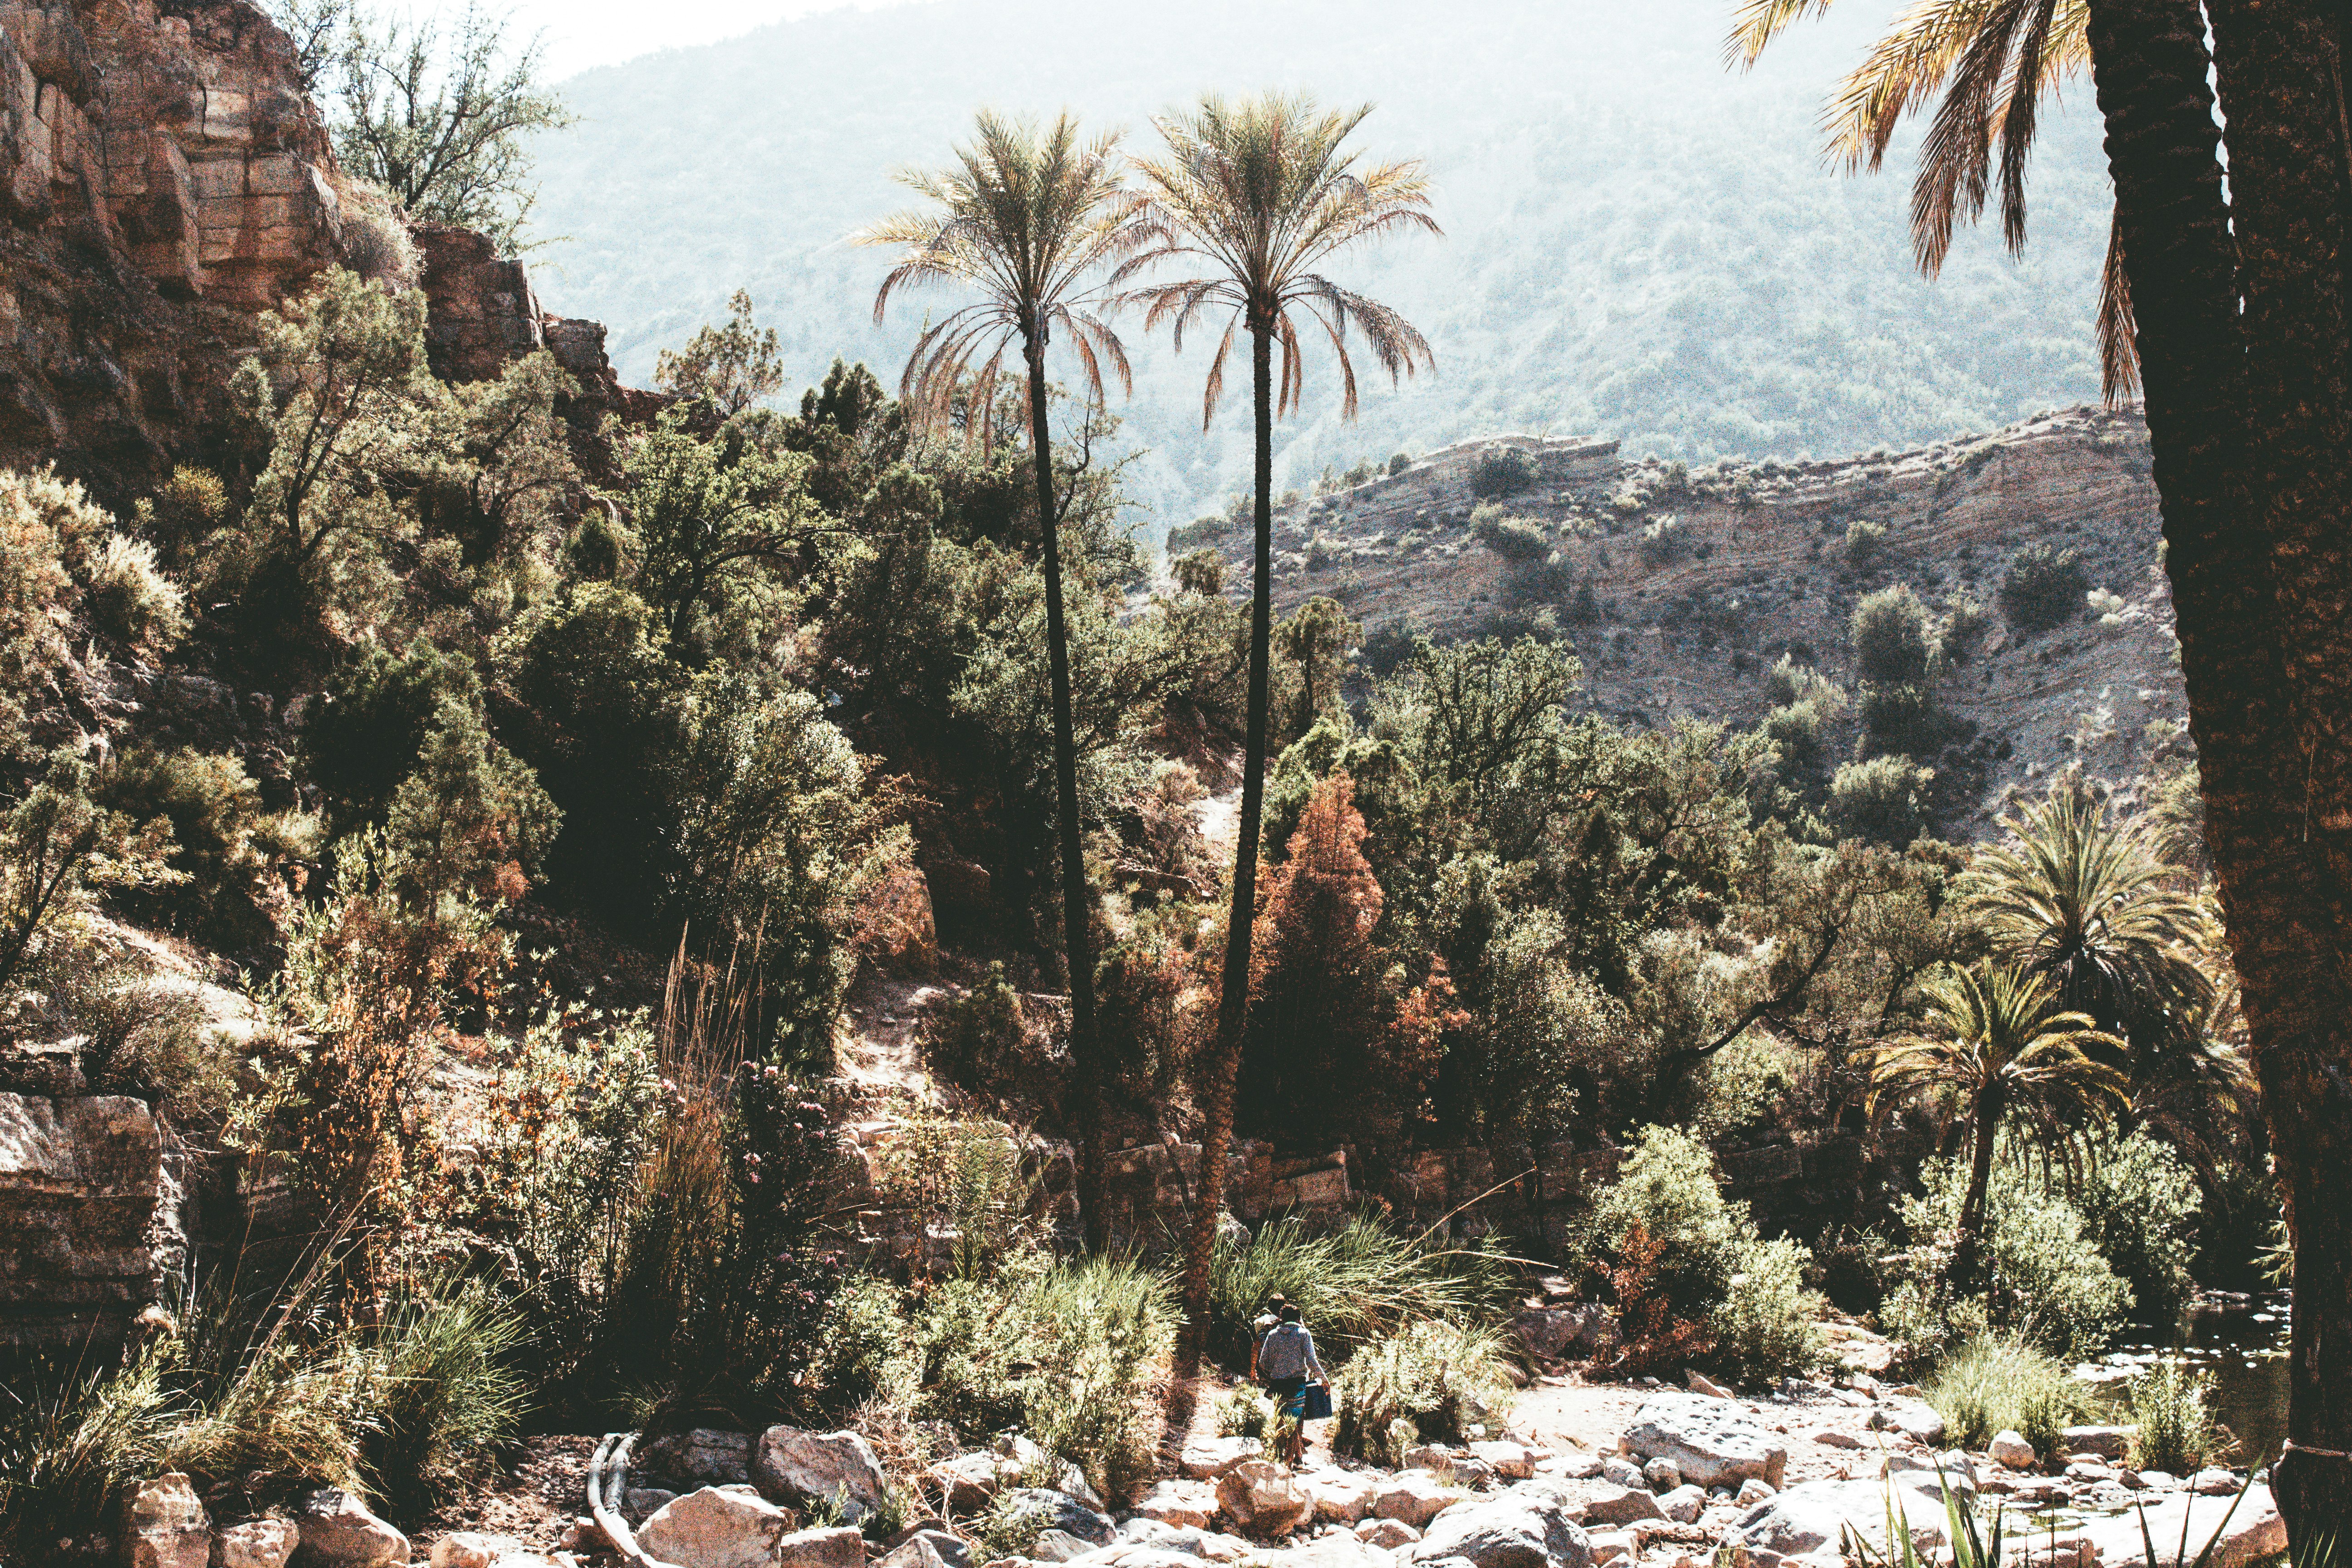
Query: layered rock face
(90, 1212)
(162, 178)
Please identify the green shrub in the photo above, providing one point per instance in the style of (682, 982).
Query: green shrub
(2044, 1278)
(70, 1435)
(1664, 540)
(2140, 1202)
(1903, 720)
(1400, 463)
(441, 1389)
(1889, 632)
(2003, 1382)
(1864, 542)
(1433, 1382)
(1515, 539)
(2171, 1405)
(1769, 1326)
(862, 1331)
(1350, 1285)
(1244, 1412)
(1883, 800)
(1099, 1329)
(1502, 473)
(2043, 587)
(127, 597)
(214, 810)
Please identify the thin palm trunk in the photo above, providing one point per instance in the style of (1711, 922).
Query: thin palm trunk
(1232, 1002)
(2151, 66)
(1985, 1130)
(1086, 1063)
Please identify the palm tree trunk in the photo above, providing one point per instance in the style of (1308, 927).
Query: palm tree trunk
(1985, 1133)
(1086, 1064)
(1223, 1059)
(2149, 63)
(2282, 90)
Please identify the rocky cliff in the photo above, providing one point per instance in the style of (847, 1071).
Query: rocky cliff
(1681, 589)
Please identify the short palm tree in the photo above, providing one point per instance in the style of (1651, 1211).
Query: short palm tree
(2093, 904)
(1252, 198)
(1996, 1043)
(1025, 217)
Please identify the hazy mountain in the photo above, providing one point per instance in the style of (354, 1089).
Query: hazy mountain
(1639, 243)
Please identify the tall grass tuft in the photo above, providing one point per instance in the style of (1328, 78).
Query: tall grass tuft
(2171, 1403)
(69, 1434)
(2004, 1383)
(1350, 1285)
(1431, 1382)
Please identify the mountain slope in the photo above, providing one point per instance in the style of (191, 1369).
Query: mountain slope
(1637, 241)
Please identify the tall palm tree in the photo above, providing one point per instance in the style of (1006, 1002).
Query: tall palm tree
(1997, 1043)
(2242, 334)
(1024, 218)
(1252, 198)
(2091, 904)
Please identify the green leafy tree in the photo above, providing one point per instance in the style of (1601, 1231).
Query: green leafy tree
(1997, 1043)
(443, 121)
(730, 367)
(1025, 217)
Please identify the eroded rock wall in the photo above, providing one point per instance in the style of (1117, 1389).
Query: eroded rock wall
(89, 1220)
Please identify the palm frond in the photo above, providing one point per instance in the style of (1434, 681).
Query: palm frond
(1758, 22)
(2118, 332)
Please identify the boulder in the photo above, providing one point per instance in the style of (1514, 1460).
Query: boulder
(1512, 1462)
(1058, 1511)
(338, 1531)
(2112, 1444)
(1388, 1534)
(1263, 1499)
(928, 1547)
(1339, 1548)
(1711, 1443)
(1416, 1497)
(1207, 1458)
(2214, 1481)
(2254, 1533)
(1835, 1438)
(256, 1543)
(1022, 1463)
(1554, 1332)
(798, 1467)
(1753, 1491)
(639, 1504)
(1704, 1385)
(965, 1483)
(716, 1527)
(1341, 1496)
(1520, 1528)
(2008, 1448)
(164, 1525)
(1914, 1418)
(1619, 1505)
(1662, 1474)
(1178, 1503)
(1814, 1516)
(470, 1548)
(1058, 1546)
(1613, 1546)
(1619, 1471)
(1684, 1504)
(839, 1546)
(702, 1457)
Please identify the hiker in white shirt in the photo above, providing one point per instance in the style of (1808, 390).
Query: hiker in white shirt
(1285, 1360)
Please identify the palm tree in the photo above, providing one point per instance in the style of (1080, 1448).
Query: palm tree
(1022, 218)
(1996, 1043)
(1255, 196)
(2093, 904)
(2239, 323)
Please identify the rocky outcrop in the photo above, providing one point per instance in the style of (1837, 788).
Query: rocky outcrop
(92, 1217)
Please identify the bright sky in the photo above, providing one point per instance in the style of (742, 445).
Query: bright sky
(583, 33)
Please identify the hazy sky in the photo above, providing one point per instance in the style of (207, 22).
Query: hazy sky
(581, 33)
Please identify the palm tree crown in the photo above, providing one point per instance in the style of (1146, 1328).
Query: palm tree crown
(1259, 193)
(1023, 216)
(1998, 1032)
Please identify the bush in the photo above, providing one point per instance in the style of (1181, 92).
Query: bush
(2045, 1280)
(975, 1039)
(2043, 587)
(2002, 1382)
(2140, 1202)
(1889, 631)
(1883, 800)
(214, 810)
(2171, 1405)
(441, 1389)
(1244, 1412)
(1099, 1329)
(1502, 473)
(1767, 1326)
(1664, 540)
(1864, 542)
(861, 1333)
(1399, 463)
(128, 598)
(1515, 539)
(1351, 1285)
(1435, 1381)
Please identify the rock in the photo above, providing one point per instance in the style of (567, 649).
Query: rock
(1264, 1498)
(1702, 1385)
(470, 1548)
(338, 1531)
(2010, 1448)
(1916, 1419)
(1612, 1546)
(641, 1503)
(1662, 1474)
(1711, 1443)
(716, 1527)
(1207, 1458)
(836, 1546)
(256, 1543)
(798, 1468)
(965, 1483)
(1342, 1496)
(2112, 1444)
(1620, 1505)
(702, 1457)
(1620, 1472)
(164, 1525)
(2091, 1472)
(1059, 1510)
(1814, 1516)
(2159, 1481)
(1387, 1533)
(1179, 1502)
(2255, 1533)
(1022, 1463)
(1416, 1497)
(1058, 1546)
(1429, 1456)
(1521, 1528)
(1339, 1548)
(1753, 1491)
(2213, 1481)
(1552, 1332)
(1512, 1462)
(1683, 1504)
(1834, 1438)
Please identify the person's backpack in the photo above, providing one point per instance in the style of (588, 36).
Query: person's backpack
(1284, 1353)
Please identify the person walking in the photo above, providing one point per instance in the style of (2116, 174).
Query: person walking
(1286, 1365)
